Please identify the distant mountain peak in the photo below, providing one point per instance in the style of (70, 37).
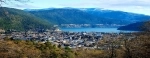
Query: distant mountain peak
(69, 15)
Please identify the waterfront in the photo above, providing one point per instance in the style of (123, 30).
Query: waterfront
(78, 38)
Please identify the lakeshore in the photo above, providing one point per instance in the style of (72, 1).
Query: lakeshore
(65, 38)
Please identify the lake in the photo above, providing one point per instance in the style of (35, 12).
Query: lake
(90, 29)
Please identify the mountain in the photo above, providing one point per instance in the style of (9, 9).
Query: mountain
(132, 27)
(138, 26)
(87, 16)
(119, 15)
(20, 20)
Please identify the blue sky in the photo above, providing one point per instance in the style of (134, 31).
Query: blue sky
(135, 6)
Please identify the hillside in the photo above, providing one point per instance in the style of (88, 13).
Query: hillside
(64, 16)
(20, 20)
(87, 16)
(138, 26)
(132, 27)
(118, 15)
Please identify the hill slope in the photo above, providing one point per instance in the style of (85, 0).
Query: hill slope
(20, 20)
(138, 26)
(132, 27)
(88, 16)
(118, 15)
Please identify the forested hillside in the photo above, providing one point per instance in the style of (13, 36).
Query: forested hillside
(132, 27)
(87, 16)
(20, 20)
(138, 26)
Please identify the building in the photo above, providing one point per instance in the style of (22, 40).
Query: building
(1, 30)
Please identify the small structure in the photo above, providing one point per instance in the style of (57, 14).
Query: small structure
(57, 29)
(1, 30)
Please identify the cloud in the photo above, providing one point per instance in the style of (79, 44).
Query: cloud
(25, 6)
(22, 6)
(115, 3)
(143, 3)
(137, 6)
(19, 5)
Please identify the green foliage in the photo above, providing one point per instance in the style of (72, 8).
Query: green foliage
(67, 48)
(88, 16)
(73, 16)
(20, 20)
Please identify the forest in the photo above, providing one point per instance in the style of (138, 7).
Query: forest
(15, 19)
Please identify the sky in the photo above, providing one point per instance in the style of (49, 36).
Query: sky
(135, 6)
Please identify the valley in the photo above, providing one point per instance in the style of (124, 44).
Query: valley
(39, 33)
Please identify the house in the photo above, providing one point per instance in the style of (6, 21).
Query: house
(1, 30)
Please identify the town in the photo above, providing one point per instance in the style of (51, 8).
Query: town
(88, 25)
(86, 40)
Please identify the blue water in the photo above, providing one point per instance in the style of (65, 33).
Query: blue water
(90, 29)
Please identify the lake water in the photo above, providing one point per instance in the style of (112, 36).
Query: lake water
(91, 29)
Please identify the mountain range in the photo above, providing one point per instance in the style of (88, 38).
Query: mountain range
(44, 18)
(87, 16)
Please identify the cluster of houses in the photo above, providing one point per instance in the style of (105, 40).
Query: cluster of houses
(63, 39)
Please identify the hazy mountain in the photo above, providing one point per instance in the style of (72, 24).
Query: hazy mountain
(138, 26)
(132, 27)
(130, 17)
(87, 16)
(20, 20)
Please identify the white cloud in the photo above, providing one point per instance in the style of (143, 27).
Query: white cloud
(136, 6)
(110, 3)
